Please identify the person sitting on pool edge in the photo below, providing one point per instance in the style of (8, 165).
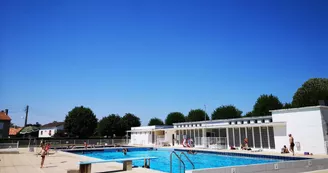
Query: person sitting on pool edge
(284, 150)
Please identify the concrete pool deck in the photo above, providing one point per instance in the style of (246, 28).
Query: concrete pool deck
(60, 162)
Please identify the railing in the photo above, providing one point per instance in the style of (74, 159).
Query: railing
(9, 146)
(66, 142)
(184, 166)
(211, 142)
(182, 153)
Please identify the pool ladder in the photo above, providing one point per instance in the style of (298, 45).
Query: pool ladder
(180, 161)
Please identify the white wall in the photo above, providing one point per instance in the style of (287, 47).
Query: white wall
(306, 127)
(44, 133)
(141, 138)
(168, 136)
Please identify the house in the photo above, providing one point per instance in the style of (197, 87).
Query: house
(14, 131)
(50, 129)
(4, 124)
(308, 126)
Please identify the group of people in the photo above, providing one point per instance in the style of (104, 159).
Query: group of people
(44, 151)
(291, 146)
(188, 142)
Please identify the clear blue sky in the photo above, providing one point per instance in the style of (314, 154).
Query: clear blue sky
(154, 57)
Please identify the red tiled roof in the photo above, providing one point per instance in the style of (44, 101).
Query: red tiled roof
(4, 117)
(14, 131)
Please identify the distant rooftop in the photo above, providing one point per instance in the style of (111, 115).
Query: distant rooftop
(4, 116)
(225, 120)
(14, 131)
(52, 125)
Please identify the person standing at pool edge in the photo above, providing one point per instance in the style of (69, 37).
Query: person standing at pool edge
(292, 144)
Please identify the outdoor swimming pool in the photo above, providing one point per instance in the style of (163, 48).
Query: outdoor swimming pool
(200, 159)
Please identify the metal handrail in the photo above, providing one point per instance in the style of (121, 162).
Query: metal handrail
(193, 166)
(184, 165)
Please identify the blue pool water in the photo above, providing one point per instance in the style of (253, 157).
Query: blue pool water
(200, 160)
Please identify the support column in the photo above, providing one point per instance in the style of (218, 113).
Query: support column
(268, 137)
(85, 168)
(227, 133)
(261, 137)
(127, 165)
(240, 143)
(233, 137)
(253, 137)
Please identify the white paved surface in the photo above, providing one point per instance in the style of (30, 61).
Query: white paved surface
(60, 162)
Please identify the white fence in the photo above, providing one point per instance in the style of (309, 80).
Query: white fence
(8, 147)
(211, 142)
(66, 142)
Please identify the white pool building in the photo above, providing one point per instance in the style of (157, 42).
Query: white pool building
(308, 125)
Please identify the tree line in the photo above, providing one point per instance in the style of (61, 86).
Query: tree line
(82, 122)
(308, 94)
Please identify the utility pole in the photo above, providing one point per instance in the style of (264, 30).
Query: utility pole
(26, 111)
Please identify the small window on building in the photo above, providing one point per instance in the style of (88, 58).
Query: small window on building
(41, 132)
(242, 122)
(255, 121)
(270, 120)
(230, 123)
(263, 121)
(249, 121)
(1, 125)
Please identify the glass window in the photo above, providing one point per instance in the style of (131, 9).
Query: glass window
(271, 137)
(250, 136)
(230, 133)
(264, 135)
(242, 135)
(257, 137)
(237, 140)
(1, 125)
(223, 133)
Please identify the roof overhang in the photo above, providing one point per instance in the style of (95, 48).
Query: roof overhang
(210, 126)
(150, 130)
(233, 126)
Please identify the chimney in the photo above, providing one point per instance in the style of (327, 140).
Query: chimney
(6, 111)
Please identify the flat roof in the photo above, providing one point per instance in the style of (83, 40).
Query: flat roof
(209, 126)
(225, 120)
(234, 126)
(308, 108)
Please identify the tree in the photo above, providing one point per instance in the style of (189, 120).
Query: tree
(174, 117)
(311, 92)
(130, 120)
(80, 122)
(37, 124)
(287, 106)
(110, 125)
(226, 112)
(265, 103)
(197, 115)
(155, 121)
(248, 114)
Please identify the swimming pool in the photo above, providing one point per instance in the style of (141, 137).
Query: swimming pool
(200, 160)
